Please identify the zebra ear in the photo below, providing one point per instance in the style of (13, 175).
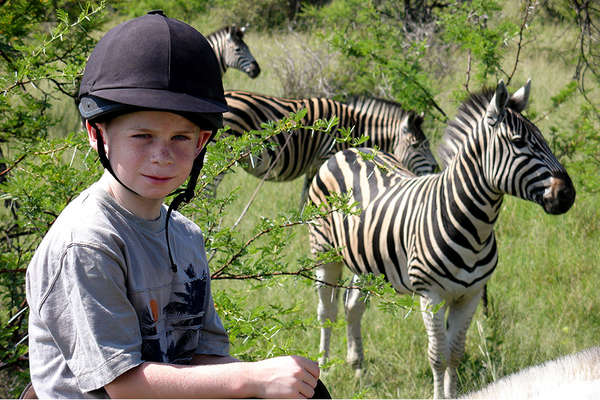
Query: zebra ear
(519, 99)
(415, 120)
(497, 108)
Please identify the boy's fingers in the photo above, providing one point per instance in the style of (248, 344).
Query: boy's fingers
(311, 366)
(310, 379)
(306, 390)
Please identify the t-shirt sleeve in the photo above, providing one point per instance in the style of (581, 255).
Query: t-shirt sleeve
(90, 317)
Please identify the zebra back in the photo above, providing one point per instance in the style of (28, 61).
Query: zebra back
(232, 52)
(295, 153)
(305, 150)
(410, 144)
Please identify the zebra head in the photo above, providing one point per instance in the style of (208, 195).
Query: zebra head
(236, 54)
(519, 159)
(412, 148)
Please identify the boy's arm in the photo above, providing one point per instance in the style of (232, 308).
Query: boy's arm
(207, 359)
(280, 377)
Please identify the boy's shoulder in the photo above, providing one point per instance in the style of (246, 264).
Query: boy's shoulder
(185, 225)
(89, 212)
(95, 217)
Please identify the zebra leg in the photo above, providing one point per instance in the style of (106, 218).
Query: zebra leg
(354, 306)
(484, 300)
(327, 275)
(437, 350)
(308, 177)
(460, 315)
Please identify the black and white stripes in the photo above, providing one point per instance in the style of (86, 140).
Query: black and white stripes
(433, 235)
(232, 52)
(388, 126)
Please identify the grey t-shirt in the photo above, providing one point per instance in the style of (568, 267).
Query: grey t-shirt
(103, 297)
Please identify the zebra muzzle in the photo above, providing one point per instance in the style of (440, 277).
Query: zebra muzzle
(559, 196)
(253, 70)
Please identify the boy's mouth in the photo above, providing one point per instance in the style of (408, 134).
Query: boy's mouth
(158, 178)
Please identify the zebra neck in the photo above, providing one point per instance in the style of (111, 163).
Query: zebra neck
(469, 202)
(216, 42)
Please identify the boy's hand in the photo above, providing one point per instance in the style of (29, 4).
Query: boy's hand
(285, 377)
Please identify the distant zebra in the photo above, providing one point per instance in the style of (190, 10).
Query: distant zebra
(434, 235)
(388, 126)
(232, 51)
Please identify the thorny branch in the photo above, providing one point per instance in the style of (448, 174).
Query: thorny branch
(468, 78)
(529, 10)
(254, 238)
(219, 274)
(37, 153)
(589, 36)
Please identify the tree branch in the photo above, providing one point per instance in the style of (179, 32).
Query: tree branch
(529, 8)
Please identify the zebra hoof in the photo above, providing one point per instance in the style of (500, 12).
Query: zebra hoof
(358, 373)
(357, 367)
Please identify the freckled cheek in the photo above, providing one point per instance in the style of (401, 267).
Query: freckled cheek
(184, 155)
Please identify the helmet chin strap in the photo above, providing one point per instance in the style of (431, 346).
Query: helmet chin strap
(186, 195)
(104, 159)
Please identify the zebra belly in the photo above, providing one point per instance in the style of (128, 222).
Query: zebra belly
(366, 252)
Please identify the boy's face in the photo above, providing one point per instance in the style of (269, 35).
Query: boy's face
(152, 152)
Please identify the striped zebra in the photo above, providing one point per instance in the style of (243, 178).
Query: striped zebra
(388, 126)
(232, 52)
(433, 235)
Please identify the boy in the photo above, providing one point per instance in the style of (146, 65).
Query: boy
(119, 289)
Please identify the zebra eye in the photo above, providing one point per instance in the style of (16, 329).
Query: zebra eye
(518, 139)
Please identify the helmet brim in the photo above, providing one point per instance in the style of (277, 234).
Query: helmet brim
(108, 102)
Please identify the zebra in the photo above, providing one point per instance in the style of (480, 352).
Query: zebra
(433, 235)
(388, 126)
(231, 50)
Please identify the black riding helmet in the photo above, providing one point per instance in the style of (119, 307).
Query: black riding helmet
(154, 63)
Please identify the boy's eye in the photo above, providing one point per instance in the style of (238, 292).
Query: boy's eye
(141, 136)
(181, 137)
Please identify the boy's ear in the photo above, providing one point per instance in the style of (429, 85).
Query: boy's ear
(92, 135)
(202, 141)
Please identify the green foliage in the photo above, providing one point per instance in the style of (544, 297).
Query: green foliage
(262, 15)
(581, 149)
(469, 26)
(43, 49)
(180, 9)
(376, 57)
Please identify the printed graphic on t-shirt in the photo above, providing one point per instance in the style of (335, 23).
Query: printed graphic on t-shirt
(171, 334)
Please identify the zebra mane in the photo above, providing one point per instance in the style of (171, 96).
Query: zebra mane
(391, 108)
(234, 30)
(374, 103)
(457, 131)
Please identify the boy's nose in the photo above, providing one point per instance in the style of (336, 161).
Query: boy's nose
(162, 155)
